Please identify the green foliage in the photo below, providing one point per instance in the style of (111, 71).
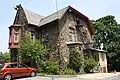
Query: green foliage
(89, 64)
(40, 70)
(69, 71)
(32, 49)
(107, 31)
(50, 67)
(76, 60)
(5, 56)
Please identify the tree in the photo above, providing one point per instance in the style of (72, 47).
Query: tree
(31, 50)
(5, 56)
(107, 31)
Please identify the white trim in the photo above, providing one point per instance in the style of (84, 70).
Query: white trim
(74, 43)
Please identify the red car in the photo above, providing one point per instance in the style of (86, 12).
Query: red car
(14, 70)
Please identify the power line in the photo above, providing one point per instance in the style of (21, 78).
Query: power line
(56, 3)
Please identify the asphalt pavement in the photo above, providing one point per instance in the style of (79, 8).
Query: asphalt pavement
(48, 78)
(96, 76)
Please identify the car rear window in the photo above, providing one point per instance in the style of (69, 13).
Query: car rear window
(1, 65)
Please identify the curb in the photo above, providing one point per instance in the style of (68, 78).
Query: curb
(57, 76)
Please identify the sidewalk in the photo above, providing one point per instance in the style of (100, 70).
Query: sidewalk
(92, 76)
(97, 76)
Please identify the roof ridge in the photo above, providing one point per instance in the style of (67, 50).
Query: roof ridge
(56, 12)
(56, 15)
(32, 17)
(33, 12)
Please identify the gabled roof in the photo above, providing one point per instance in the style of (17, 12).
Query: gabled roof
(52, 17)
(32, 17)
(39, 20)
(60, 13)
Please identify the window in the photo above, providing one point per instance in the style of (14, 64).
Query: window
(84, 33)
(32, 35)
(12, 66)
(22, 66)
(10, 37)
(71, 34)
(45, 37)
(16, 30)
(103, 57)
(16, 35)
(1, 65)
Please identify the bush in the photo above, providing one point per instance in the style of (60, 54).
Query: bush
(51, 67)
(40, 70)
(76, 61)
(89, 64)
(69, 71)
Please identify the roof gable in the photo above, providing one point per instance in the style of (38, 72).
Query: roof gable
(60, 13)
(52, 17)
(77, 13)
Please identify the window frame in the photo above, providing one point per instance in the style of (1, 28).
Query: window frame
(12, 66)
(32, 34)
(16, 34)
(23, 65)
(72, 34)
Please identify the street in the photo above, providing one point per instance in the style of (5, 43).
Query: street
(96, 76)
(48, 78)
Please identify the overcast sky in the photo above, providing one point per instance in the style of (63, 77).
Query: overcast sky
(93, 9)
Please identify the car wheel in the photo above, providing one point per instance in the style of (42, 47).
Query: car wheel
(33, 74)
(8, 77)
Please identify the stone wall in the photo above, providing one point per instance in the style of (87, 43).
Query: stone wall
(81, 35)
(32, 31)
(63, 38)
(21, 19)
(48, 34)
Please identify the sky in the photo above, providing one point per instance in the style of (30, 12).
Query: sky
(93, 9)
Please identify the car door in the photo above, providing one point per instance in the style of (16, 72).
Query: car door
(13, 69)
(23, 69)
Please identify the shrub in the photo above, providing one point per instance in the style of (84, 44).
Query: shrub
(89, 64)
(51, 67)
(76, 60)
(40, 70)
(69, 71)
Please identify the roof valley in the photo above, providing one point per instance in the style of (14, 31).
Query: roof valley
(38, 20)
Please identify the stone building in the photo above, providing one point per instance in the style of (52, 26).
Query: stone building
(59, 31)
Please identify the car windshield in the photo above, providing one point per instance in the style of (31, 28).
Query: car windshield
(1, 65)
